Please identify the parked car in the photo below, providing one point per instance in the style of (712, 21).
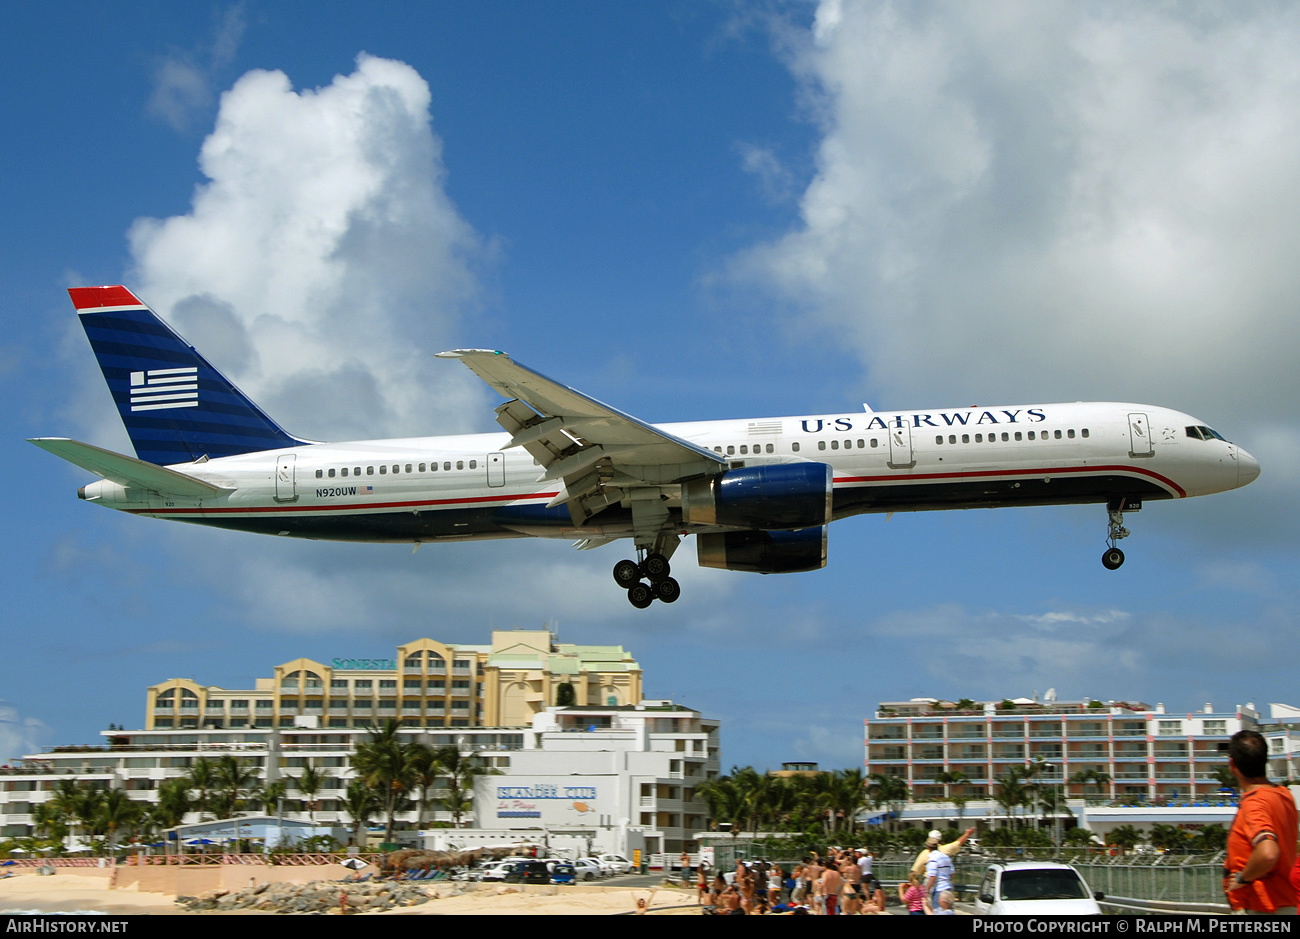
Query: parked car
(588, 868)
(497, 870)
(527, 872)
(1035, 888)
(563, 872)
(615, 863)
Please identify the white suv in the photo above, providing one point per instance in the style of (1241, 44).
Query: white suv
(615, 863)
(1034, 888)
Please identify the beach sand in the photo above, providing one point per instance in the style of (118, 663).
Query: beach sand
(84, 891)
(77, 891)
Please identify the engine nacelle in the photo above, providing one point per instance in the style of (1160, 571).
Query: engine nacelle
(764, 552)
(780, 497)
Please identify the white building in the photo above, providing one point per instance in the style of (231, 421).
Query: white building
(598, 779)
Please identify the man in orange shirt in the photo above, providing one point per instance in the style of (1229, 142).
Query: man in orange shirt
(1262, 841)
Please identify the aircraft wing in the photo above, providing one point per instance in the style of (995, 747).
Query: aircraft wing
(599, 452)
(126, 470)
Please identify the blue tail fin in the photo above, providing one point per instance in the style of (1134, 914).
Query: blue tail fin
(176, 407)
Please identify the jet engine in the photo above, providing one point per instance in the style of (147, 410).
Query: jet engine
(764, 552)
(779, 497)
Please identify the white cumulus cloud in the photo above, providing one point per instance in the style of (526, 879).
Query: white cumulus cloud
(322, 262)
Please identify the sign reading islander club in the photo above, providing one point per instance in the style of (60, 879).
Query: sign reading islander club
(555, 800)
(366, 665)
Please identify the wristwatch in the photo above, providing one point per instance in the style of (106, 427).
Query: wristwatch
(1241, 880)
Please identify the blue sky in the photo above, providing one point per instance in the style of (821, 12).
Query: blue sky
(690, 211)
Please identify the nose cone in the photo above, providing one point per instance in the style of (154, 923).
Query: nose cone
(1247, 467)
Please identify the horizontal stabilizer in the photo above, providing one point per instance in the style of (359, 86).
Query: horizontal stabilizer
(126, 470)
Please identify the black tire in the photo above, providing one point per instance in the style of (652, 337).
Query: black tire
(640, 595)
(626, 573)
(656, 567)
(1112, 559)
(667, 590)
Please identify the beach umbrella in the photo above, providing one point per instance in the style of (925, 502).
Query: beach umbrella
(353, 863)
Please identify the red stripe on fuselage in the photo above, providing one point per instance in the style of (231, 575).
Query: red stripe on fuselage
(1046, 471)
(359, 506)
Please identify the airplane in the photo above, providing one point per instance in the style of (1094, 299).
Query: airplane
(758, 494)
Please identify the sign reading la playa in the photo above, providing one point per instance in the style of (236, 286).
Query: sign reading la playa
(950, 419)
(365, 665)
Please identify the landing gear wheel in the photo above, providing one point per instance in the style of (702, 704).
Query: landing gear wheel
(656, 567)
(1112, 559)
(626, 573)
(667, 590)
(640, 595)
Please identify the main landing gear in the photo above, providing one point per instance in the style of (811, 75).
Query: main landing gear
(654, 568)
(1113, 557)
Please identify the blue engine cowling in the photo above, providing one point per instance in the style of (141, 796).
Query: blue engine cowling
(764, 552)
(780, 497)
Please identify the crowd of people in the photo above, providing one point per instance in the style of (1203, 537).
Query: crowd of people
(839, 884)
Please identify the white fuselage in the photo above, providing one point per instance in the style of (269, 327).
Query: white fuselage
(474, 486)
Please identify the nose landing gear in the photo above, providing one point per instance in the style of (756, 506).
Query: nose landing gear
(1113, 557)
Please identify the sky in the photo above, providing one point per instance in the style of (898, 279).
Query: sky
(689, 210)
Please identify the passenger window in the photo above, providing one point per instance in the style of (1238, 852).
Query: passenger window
(460, 464)
(1005, 436)
(1031, 435)
(821, 444)
(1056, 434)
(717, 449)
(1017, 435)
(473, 464)
(771, 448)
(1070, 433)
(345, 471)
(874, 443)
(952, 438)
(861, 443)
(370, 470)
(939, 439)
(744, 449)
(435, 466)
(398, 469)
(408, 468)
(331, 472)
(1084, 432)
(383, 470)
(848, 445)
(356, 471)
(320, 474)
(731, 450)
(835, 444)
(794, 447)
(965, 438)
(979, 438)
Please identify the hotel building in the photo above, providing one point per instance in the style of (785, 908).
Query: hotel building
(1146, 753)
(425, 684)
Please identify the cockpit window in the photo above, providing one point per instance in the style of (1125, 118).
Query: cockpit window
(1195, 433)
(1201, 432)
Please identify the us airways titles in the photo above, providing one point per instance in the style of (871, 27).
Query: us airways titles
(954, 419)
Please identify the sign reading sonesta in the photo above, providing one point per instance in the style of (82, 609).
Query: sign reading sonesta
(366, 665)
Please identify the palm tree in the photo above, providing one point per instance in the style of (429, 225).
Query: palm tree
(270, 795)
(202, 776)
(891, 791)
(1124, 837)
(309, 783)
(173, 803)
(426, 767)
(1097, 777)
(1012, 790)
(116, 811)
(725, 801)
(232, 777)
(952, 781)
(360, 803)
(461, 771)
(384, 764)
